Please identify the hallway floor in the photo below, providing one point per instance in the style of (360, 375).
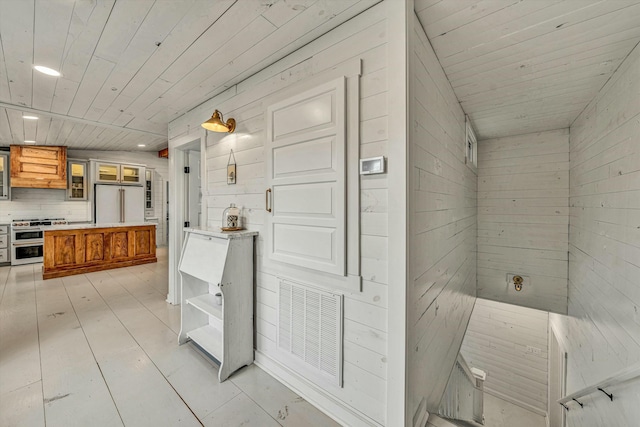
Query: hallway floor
(497, 413)
(500, 413)
(101, 349)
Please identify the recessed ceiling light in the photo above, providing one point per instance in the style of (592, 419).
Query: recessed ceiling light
(48, 71)
(29, 142)
(30, 117)
(142, 145)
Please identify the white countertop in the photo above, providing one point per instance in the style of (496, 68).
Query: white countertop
(216, 232)
(91, 225)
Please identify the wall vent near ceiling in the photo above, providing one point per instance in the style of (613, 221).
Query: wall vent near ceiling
(310, 331)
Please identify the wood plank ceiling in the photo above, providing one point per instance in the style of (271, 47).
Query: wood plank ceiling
(527, 66)
(129, 67)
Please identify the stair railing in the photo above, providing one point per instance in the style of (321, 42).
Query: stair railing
(463, 398)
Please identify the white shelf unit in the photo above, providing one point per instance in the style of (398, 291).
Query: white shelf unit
(207, 304)
(148, 191)
(213, 262)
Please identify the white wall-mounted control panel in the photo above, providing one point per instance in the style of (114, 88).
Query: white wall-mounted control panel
(372, 165)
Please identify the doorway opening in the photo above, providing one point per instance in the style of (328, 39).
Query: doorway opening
(193, 188)
(185, 202)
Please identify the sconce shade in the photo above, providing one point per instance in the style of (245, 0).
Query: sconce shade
(215, 123)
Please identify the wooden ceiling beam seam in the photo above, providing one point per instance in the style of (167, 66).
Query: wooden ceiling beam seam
(76, 119)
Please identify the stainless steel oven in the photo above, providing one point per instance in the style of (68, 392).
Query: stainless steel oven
(27, 234)
(27, 252)
(27, 240)
(27, 245)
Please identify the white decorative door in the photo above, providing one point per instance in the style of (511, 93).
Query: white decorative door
(305, 176)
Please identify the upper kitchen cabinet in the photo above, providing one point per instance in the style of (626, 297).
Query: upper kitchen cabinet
(107, 172)
(77, 187)
(148, 191)
(116, 173)
(4, 176)
(35, 166)
(131, 174)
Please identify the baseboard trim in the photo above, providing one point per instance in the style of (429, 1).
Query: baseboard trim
(509, 399)
(326, 403)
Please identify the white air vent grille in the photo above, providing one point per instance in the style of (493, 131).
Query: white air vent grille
(310, 330)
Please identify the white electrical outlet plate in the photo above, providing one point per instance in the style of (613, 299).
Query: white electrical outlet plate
(533, 350)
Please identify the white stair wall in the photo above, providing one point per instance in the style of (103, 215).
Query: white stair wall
(602, 332)
(442, 194)
(523, 218)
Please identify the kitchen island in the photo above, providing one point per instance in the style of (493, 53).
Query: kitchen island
(84, 248)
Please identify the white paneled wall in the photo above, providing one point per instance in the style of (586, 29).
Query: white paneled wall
(46, 203)
(365, 313)
(510, 344)
(523, 216)
(442, 234)
(601, 334)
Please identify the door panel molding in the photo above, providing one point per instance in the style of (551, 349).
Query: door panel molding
(329, 144)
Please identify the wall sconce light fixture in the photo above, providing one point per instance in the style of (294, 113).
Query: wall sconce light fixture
(215, 123)
(517, 282)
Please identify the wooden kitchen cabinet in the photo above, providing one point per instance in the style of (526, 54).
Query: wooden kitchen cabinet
(36, 166)
(83, 250)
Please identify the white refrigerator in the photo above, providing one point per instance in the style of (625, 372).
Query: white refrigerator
(118, 203)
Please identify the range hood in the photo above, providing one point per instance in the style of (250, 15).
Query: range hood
(38, 166)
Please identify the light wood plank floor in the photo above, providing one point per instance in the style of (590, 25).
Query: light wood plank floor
(500, 413)
(101, 349)
(497, 413)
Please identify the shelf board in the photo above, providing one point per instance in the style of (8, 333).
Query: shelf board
(209, 338)
(207, 304)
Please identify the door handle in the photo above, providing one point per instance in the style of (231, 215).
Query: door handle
(267, 205)
(22, 245)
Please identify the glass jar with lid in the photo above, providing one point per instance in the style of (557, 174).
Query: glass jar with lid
(231, 219)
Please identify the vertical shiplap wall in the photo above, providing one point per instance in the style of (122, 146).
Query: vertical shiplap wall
(601, 333)
(365, 313)
(442, 230)
(523, 217)
(510, 343)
